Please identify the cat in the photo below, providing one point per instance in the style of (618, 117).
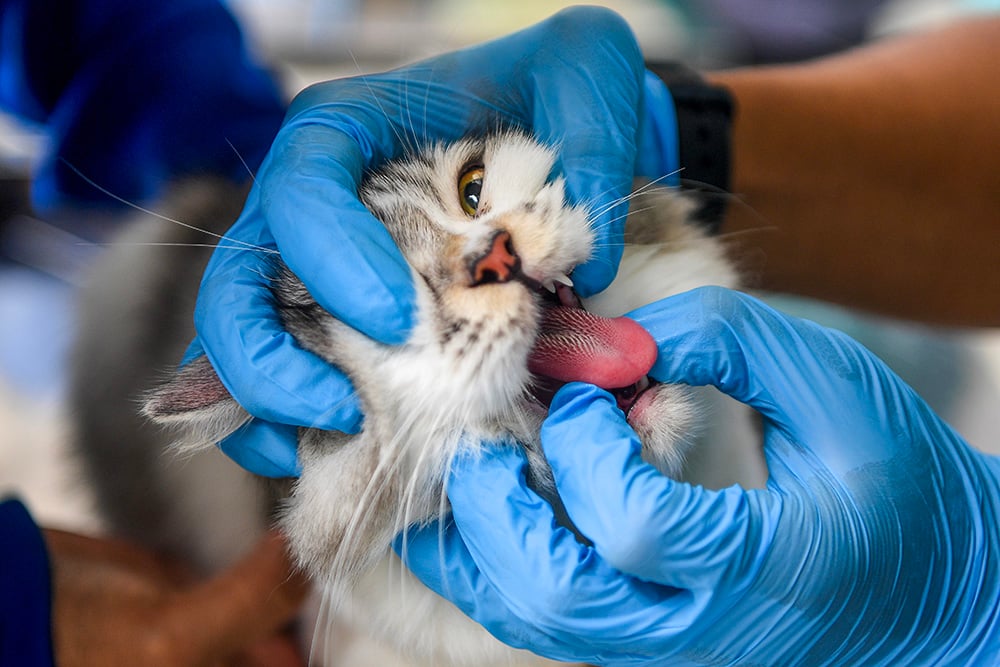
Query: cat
(491, 240)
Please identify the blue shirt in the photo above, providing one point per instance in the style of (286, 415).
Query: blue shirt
(133, 93)
(25, 594)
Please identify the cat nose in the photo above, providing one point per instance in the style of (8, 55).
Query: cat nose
(499, 264)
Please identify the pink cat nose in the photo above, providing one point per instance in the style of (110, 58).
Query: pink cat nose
(500, 263)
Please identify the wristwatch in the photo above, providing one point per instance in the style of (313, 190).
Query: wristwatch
(704, 121)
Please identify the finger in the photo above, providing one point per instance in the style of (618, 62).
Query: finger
(658, 152)
(640, 521)
(543, 575)
(438, 557)
(259, 362)
(344, 256)
(815, 384)
(593, 120)
(250, 601)
(264, 448)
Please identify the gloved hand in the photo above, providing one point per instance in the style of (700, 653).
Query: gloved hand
(575, 80)
(874, 542)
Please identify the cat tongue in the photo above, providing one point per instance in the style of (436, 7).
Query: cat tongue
(574, 345)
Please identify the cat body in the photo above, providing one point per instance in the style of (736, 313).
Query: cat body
(490, 241)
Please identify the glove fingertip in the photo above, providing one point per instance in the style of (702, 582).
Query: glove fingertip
(658, 157)
(193, 351)
(583, 423)
(397, 320)
(579, 399)
(595, 275)
(264, 448)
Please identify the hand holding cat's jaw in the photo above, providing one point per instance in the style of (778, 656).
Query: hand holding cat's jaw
(578, 74)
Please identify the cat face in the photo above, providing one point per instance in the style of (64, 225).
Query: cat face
(482, 225)
(445, 206)
(491, 239)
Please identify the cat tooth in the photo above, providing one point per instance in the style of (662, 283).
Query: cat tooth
(549, 285)
(563, 278)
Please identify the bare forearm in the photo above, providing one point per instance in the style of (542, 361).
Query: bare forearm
(873, 178)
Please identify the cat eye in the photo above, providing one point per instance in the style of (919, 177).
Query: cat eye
(470, 188)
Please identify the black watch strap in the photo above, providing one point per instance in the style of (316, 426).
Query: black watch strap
(704, 120)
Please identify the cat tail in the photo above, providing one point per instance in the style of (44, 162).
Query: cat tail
(195, 404)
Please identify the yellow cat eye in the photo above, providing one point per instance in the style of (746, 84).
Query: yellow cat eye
(470, 188)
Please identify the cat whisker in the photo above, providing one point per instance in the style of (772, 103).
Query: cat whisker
(422, 138)
(159, 216)
(389, 119)
(180, 245)
(601, 259)
(631, 195)
(608, 245)
(253, 176)
(321, 630)
(725, 236)
(608, 223)
(386, 473)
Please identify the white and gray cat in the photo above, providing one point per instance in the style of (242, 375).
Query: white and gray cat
(490, 239)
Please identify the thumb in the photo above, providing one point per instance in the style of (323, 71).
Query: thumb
(641, 522)
(250, 601)
(817, 386)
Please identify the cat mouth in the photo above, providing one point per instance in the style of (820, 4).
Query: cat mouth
(575, 345)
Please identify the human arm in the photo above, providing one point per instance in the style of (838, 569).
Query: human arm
(870, 178)
(871, 543)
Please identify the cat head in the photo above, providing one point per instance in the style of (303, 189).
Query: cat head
(478, 220)
(490, 239)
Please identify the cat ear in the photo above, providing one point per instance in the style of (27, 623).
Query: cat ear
(195, 404)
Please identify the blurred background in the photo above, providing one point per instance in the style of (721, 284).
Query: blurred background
(958, 372)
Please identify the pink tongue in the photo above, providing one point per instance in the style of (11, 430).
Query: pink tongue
(576, 346)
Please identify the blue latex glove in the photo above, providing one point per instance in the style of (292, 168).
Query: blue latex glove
(874, 542)
(576, 80)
